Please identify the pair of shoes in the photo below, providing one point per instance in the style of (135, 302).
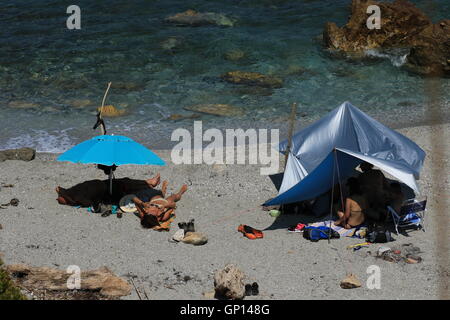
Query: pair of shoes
(298, 228)
(187, 226)
(252, 289)
(106, 213)
(250, 233)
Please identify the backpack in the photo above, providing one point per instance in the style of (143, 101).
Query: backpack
(316, 233)
(379, 234)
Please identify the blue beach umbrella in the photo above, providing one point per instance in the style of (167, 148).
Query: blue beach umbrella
(111, 150)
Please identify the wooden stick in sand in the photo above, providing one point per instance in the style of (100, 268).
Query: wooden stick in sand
(135, 288)
(290, 132)
(100, 121)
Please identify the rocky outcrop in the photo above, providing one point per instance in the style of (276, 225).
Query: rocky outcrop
(402, 26)
(252, 79)
(24, 154)
(42, 278)
(229, 283)
(431, 52)
(223, 110)
(194, 19)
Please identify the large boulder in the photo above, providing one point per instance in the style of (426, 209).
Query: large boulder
(42, 278)
(195, 19)
(229, 283)
(402, 26)
(401, 22)
(252, 79)
(24, 154)
(431, 51)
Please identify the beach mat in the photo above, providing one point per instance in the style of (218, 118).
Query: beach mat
(341, 230)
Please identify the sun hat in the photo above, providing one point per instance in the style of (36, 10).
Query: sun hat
(126, 204)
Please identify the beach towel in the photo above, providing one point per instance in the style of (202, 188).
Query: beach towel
(165, 226)
(341, 230)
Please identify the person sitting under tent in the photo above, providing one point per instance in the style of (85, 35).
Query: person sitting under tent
(373, 184)
(396, 196)
(355, 205)
(158, 213)
(90, 193)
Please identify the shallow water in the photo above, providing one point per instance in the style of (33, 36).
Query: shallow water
(44, 63)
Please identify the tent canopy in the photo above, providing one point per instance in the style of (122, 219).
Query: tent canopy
(330, 149)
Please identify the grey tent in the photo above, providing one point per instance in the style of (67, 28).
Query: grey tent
(331, 148)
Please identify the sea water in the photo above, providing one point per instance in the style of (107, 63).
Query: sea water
(163, 68)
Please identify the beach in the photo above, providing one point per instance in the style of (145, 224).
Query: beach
(40, 232)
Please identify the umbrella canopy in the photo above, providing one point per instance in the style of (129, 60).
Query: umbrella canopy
(111, 150)
(338, 143)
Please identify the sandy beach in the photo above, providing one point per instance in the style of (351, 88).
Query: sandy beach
(40, 232)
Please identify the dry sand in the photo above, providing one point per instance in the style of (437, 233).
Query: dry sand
(42, 233)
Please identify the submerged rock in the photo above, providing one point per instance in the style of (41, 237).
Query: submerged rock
(80, 103)
(129, 86)
(234, 55)
(223, 110)
(178, 117)
(24, 154)
(402, 26)
(20, 104)
(252, 79)
(194, 19)
(111, 111)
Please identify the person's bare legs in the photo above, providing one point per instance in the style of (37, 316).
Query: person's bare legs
(164, 188)
(177, 196)
(341, 218)
(153, 182)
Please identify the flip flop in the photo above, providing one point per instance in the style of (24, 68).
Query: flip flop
(250, 233)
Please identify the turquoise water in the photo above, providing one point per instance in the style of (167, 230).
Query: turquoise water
(47, 66)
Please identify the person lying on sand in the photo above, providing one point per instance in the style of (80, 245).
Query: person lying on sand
(159, 209)
(355, 204)
(396, 196)
(92, 192)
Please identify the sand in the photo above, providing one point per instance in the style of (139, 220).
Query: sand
(40, 232)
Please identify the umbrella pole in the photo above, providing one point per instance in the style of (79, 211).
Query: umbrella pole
(110, 182)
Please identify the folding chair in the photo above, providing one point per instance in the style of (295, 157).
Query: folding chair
(412, 214)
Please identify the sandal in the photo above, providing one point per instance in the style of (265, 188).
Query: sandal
(250, 233)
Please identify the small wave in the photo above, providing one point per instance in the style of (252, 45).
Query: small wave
(42, 141)
(397, 58)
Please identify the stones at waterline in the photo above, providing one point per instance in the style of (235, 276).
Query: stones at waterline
(401, 22)
(79, 103)
(229, 283)
(111, 111)
(194, 19)
(43, 278)
(403, 26)
(21, 104)
(234, 55)
(350, 282)
(179, 117)
(252, 79)
(23, 154)
(223, 110)
(195, 238)
(431, 53)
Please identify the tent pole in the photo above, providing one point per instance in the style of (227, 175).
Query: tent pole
(332, 195)
(290, 132)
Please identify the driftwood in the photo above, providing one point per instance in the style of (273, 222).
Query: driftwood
(101, 280)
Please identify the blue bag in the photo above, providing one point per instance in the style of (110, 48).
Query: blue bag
(316, 233)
